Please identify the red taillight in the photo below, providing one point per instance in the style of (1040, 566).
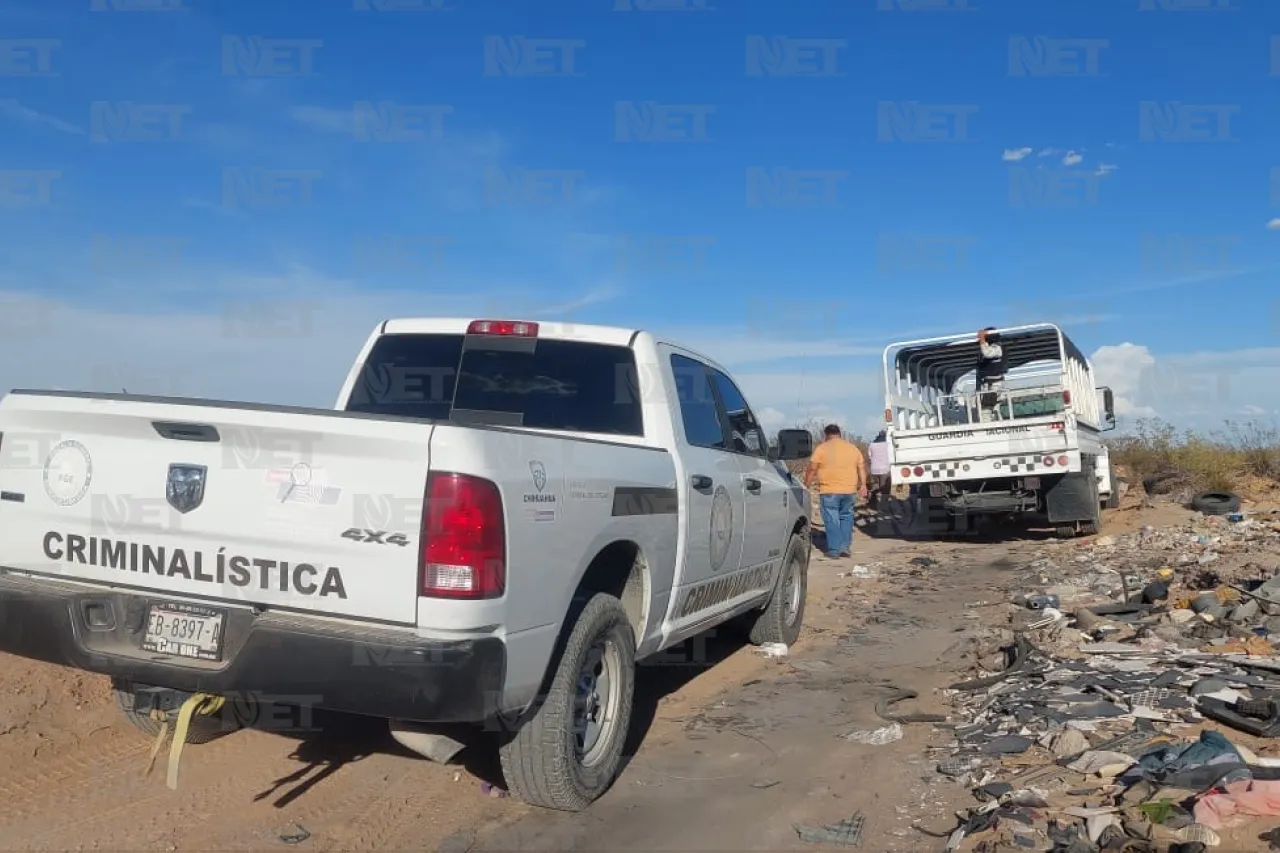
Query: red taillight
(1048, 461)
(464, 541)
(1062, 460)
(888, 416)
(506, 328)
(919, 472)
(1066, 398)
(906, 472)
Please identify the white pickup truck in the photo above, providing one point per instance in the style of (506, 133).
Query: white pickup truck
(496, 521)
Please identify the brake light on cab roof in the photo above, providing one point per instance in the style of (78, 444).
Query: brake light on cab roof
(503, 328)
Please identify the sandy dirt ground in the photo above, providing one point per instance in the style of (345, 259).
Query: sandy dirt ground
(729, 748)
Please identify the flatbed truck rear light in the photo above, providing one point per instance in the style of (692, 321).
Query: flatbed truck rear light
(464, 540)
(503, 328)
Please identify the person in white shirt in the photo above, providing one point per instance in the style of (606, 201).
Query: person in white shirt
(878, 450)
(990, 377)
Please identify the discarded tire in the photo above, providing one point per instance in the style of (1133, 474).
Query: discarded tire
(1160, 484)
(1216, 503)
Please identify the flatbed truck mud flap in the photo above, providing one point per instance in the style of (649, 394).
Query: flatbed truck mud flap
(1074, 497)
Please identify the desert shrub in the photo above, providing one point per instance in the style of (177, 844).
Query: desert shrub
(1259, 448)
(1216, 460)
(1148, 451)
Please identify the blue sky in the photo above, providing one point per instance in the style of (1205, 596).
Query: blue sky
(869, 175)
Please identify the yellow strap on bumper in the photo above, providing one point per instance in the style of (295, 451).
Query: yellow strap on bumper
(205, 704)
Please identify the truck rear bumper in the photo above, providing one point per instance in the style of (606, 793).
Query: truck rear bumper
(373, 671)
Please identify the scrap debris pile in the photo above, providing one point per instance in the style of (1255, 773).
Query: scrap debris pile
(1133, 703)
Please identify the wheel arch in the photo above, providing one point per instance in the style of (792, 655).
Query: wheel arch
(621, 570)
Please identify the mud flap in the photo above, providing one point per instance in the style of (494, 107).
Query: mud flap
(1074, 497)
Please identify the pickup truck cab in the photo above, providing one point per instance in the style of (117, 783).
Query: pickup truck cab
(494, 523)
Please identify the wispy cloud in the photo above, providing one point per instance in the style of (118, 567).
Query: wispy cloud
(1274, 225)
(1073, 158)
(1012, 155)
(595, 296)
(14, 111)
(325, 119)
(1105, 169)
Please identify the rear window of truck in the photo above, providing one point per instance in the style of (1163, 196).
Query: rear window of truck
(543, 384)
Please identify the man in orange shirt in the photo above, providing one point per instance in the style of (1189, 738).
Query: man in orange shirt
(841, 472)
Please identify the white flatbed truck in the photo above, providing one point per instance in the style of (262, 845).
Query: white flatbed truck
(971, 448)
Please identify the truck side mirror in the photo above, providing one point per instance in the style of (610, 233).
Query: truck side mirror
(794, 444)
(1108, 408)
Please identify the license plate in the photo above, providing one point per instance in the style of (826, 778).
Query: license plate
(1031, 483)
(184, 630)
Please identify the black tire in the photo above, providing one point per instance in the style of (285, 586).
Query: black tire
(1160, 484)
(782, 618)
(1216, 503)
(200, 730)
(541, 761)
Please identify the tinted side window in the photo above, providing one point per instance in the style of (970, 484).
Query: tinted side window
(697, 404)
(745, 433)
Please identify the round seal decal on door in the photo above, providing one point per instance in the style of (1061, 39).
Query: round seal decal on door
(68, 470)
(721, 527)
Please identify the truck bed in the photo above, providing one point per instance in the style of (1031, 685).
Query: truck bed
(276, 488)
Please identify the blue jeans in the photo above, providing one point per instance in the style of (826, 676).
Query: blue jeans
(837, 518)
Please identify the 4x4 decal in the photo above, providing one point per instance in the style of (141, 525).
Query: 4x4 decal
(378, 537)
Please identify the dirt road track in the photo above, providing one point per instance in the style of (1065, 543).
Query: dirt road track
(726, 738)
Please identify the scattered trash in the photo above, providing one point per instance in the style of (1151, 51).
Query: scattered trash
(774, 650)
(877, 737)
(491, 790)
(297, 836)
(766, 783)
(860, 572)
(1086, 723)
(846, 833)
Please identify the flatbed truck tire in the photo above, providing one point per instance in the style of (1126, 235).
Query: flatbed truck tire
(782, 618)
(542, 760)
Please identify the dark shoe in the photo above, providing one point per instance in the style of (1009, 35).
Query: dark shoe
(832, 555)
(845, 554)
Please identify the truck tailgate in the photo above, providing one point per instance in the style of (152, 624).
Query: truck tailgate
(224, 501)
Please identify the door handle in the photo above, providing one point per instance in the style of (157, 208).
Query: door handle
(752, 484)
(700, 481)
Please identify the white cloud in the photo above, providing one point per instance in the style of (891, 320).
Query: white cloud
(15, 111)
(1072, 158)
(1274, 225)
(315, 325)
(1192, 389)
(772, 419)
(1049, 152)
(1015, 154)
(1123, 368)
(1104, 169)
